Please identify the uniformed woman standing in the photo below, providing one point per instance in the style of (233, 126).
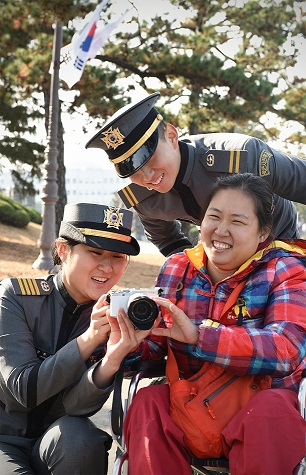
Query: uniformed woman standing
(55, 368)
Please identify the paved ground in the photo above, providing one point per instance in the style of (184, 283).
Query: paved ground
(101, 419)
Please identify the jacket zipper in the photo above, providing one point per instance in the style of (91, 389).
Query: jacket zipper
(76, 309)
(207, 400)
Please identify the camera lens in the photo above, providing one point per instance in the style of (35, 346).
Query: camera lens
(142, 311)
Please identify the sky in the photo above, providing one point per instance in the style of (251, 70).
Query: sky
(75, 139)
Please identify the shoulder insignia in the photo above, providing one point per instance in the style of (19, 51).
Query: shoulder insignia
(264, 160)
(133, 194)
(226, 161)
(29, 286)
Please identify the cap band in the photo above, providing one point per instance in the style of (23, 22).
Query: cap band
(140, 142)
(104, 234)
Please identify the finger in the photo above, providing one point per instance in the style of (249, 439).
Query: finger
(129, 332)
(162, 301)
(106, 328)
(177, 314)
(161, 332)
(99, 312)
(170, 306)
(125, 325)
(157, 321)
(113, 322)
(101, 302)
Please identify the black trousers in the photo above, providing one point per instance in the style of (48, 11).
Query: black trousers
(70, 446)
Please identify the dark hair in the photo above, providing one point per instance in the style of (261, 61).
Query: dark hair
(256, 188)
(56, 259)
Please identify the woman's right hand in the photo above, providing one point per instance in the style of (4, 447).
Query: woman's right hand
(98, 330)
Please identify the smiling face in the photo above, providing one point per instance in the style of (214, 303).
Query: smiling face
(230, 232)
(160, 172)
(88, 272)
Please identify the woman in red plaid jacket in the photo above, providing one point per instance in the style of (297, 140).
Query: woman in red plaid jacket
(265, 335)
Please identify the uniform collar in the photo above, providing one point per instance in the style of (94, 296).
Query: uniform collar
(71, 306)
(187, 161)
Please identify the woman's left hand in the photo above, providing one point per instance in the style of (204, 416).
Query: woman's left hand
(182, 329)
(123, 338)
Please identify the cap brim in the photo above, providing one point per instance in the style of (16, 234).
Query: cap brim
(132, 164)
(130, 248)
(69, 231)
(126, 119)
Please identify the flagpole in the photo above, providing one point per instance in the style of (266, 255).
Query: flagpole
(50, 189)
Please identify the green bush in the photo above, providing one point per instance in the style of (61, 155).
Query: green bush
(35, 216)
(15, 214)
(11, 202)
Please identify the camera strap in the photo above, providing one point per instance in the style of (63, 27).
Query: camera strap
(117, 410)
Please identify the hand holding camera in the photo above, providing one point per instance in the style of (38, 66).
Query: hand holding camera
(138, 304)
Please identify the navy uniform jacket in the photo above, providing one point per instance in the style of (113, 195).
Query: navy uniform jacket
(42, 375)
(203, 158)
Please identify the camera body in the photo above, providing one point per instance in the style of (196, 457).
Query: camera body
(138, 304)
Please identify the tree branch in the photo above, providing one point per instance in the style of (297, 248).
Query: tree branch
(124, 65)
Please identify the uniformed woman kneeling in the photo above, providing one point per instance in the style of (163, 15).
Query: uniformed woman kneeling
(55, 368)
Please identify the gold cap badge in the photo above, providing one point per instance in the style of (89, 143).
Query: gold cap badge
(113, 138)
(113, 218)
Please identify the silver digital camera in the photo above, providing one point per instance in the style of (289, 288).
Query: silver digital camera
(138, 304)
